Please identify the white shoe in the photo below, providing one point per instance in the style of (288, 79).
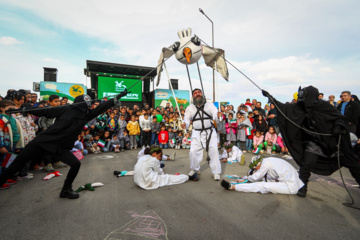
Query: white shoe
(172, 156)
(216, 177)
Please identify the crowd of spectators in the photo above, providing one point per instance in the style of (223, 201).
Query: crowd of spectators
(250, 126)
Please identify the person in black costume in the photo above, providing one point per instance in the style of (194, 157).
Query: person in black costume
(59, 138)
(313, 152)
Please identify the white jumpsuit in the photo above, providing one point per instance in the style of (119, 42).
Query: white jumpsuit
(148, 174)
(234, 155)
(198, 138)
(281, 177)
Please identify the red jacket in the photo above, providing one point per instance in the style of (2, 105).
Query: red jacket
(163, 137)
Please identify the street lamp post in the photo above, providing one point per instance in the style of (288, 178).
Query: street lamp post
(213, 47)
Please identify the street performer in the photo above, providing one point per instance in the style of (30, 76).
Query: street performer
(58, 139)
(202, 114)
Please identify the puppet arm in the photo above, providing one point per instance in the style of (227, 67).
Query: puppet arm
(48, 112)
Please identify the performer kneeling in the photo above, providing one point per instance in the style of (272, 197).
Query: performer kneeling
(232, 153)
(59, 138)
(148, 173)
(268, 175)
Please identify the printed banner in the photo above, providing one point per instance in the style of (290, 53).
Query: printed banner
(164, 96)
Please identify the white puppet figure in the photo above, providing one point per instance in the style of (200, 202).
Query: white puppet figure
(268, 175)
(232, 154)
(148, 173)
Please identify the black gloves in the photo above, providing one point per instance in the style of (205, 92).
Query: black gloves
(265, 93)
(337, 131)
(124, 93)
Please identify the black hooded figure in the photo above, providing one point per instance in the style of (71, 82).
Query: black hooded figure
(312, 152)
(60, 137)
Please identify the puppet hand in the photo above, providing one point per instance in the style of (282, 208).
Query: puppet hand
(265, 93)
(337, 131)
(122, 94)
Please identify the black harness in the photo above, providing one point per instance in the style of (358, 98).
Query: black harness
(201, 115)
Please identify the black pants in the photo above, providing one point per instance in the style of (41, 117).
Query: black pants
(310, 160)
(33, 151)
(146, 138)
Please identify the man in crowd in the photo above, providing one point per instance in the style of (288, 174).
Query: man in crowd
(350, 110)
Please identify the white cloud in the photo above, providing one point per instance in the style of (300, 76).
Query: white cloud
(51, 60)
(9, 41)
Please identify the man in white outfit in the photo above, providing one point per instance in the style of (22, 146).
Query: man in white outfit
(202, 114)
(269, 175)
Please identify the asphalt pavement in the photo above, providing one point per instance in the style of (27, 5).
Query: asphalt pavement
(194, 210)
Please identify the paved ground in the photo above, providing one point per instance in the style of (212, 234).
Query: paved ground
(193, 210)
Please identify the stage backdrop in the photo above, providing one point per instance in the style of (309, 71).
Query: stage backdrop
(110, 86)
(163, 96)
(69, 90)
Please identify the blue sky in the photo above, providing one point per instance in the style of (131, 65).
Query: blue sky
(278, 44)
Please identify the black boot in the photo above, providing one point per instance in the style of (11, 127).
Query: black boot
(225, 184)
(67, 192)
(302, 192)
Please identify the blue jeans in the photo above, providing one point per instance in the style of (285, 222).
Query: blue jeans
(249, 144)
(154, 139)
(164, 146)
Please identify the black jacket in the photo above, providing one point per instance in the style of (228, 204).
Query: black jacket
(70, 120)
(352, 111)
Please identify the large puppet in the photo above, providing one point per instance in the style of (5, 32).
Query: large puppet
(59, 138)
(201, 113)
(313, 142)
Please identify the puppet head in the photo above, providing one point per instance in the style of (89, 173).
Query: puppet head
(228, 145)
(308, 96)
(85, 99)
(188, 50)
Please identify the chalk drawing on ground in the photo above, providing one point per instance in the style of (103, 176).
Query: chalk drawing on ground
(148, 225)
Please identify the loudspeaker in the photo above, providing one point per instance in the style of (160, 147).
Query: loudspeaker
(50, 74)
(174, 83)
(146, 86)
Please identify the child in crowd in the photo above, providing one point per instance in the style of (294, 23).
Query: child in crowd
(146, 127)
(122, 124)
(124, 141)
(148, 173)
(101, 122)
(167, 121)
(271, 136)
(281, 144)
(244, 125)
(106, 141)
(172, 136)
(178, 140)
(258, 142)
(163, 137)
(112, 124)
(231, 127)
(220, 125)
(96, 143)
(134, 131)
(91, 145)
(155, 130)
(186, 142)
(115, 144)
(9, 135)
(232, 154)
(79, 145)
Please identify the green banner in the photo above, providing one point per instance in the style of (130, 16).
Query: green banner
(110, 86)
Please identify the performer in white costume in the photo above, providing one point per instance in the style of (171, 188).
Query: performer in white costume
(149, 175)
(164, 157)
(202, 114)
(269, 175)
(232, 153)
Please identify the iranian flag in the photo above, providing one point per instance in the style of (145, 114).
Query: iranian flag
(248, 131)
(9, 158)
(101, 143)
(189, 140)
(86, 127)
(233, 122)
(256, 151)
(172, 141)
